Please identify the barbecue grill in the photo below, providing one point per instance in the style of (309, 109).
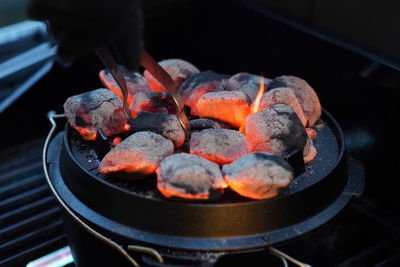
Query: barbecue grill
(334, 70)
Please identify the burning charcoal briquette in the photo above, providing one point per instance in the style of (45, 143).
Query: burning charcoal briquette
(157, 102)
(247, 83)
(165, 124)
(135, 83)
(228, 106)
(189, 176)
(219, 145)
(283, 95)
(199, 84)
(202, 124)
(258, 175)
(139, 154)
(277, 130)
(178, 69)
(306, 95)
(97, 109)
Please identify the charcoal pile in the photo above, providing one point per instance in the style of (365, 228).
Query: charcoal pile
(243, 129)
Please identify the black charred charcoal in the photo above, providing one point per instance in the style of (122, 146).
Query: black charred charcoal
(166, 125)
(202, 124)
(277, 130)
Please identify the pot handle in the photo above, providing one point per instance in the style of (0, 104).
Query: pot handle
(51, 115)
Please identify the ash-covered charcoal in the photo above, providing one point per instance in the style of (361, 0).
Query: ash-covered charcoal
(247, 83)
(178, 69)
(189, 176)
(97, 109)
(258, 175)
(228, 106)
(202, 124)
(277, 130)
(219, 145)
(283, 95)
(306, 95)
(165, 124)
(309, 151)
(135, 83)
(138, 155)
(199, 84)
(157, 102)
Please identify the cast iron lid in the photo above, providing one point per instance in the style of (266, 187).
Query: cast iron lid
(138, 211)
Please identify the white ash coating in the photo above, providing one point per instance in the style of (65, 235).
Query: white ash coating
(199, 84)
(283, 95)
(167, 125)
(306, 95)
(231, 107)
(97, 109)
(188, 176)
(258, 175)
(277, 130)
(135, 82)
(141, 152)
(247, 83)
(178, 69)
(221, 146)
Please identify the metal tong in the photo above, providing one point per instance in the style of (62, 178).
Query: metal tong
(157, 71)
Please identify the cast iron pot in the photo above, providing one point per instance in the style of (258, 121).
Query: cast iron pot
(137, 215)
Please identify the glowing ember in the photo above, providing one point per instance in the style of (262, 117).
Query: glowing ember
(139, 154)
(219, 145)
(135, 83)
(193, 88)
(258, 175)
(178, 69)
(228, 106)
(97, 109)
(271, 126)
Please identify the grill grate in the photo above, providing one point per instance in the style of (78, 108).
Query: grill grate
(30, 223)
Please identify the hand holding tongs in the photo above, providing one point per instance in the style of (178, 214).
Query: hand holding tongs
(157, 71)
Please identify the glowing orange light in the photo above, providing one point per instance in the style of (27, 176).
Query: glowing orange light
(256, 103)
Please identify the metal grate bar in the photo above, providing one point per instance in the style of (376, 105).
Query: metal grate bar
(25, 211)
(20, 186)
(25, 256)
(25, 240)
(28, 224)
(24, 198)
